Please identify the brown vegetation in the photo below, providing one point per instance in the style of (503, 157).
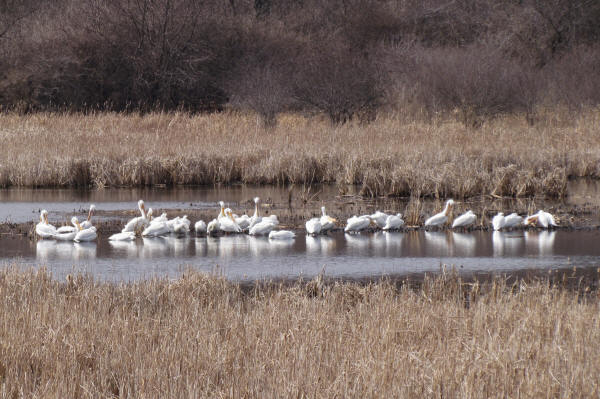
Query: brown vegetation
(390, 156)
(343, 58)
(200, 336)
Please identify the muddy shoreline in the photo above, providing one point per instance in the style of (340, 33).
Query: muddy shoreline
(292, 215)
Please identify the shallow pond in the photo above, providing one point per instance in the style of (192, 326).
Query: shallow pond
(249, 258)
(242, 257)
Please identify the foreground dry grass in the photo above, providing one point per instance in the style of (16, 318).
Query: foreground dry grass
(390, 156)
(200, 336)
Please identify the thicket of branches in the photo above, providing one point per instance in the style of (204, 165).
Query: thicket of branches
(344, 58)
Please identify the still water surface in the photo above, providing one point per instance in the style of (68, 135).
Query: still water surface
(244, 258)
(249, 258)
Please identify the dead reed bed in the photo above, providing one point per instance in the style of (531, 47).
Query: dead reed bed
(389, 156)
(200, 336)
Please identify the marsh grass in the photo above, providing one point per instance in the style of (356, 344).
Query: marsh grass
(391, 156)
(201, 336)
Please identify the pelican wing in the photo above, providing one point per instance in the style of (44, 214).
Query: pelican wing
(282, 235)
(86, 235)
(313, 226)
(126, 236)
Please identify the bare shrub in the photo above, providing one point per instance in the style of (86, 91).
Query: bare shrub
(261, 79)
(337, 82)
(479, 58)
(575, 78)
(474, 82)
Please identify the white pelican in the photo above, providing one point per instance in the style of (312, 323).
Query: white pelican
(465, 220)
(357, 223)
(499, 221)
(314, 226)
(541, 219)
(243, 221)
(327, 222)
(139, 222)
(393, 222)
(262, 228)
(85, 234)
(68, 229)
(228, 224)
(156, 229)
(222, 213)
(43, 228)
(213, 227)
(68, 235)
(88, 223)
(200, 227)
(512, 220)
(161, 218)
(255, 218)
(271, 218)
(282, 235)
(126, 236)
(181, 226)
(379, 218)
(85, 225)
(440, 218)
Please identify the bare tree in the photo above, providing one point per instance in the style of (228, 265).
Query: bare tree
(336, 81)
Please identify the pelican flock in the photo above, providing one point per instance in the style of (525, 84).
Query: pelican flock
(226, 222)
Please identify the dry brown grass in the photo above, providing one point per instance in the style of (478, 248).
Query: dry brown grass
(390, 156)
(200, 336)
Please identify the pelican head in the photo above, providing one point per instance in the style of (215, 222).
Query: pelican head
(44, 216)
(142, 207)
(449, 205)
(256, 199)
(222, 205)
(91, 212)
(74, 221)
(532, 220)
(149, 214)
(78, 225)
(229, 213)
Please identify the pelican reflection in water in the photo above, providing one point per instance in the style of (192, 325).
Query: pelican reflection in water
(357, 242)
(541, 242)
(387, 243)
(507, 243)
(84, 250)
(260, 246)
(436, 243)
(154, 247)
(179, 244)
(51, 250)
(127, 249)
(464, 244)
(320, 245)
(227, 246)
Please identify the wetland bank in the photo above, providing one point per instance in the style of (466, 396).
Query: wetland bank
(390, 156)
(201, 336)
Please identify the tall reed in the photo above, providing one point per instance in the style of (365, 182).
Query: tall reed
(390, 156)
(200, 336)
